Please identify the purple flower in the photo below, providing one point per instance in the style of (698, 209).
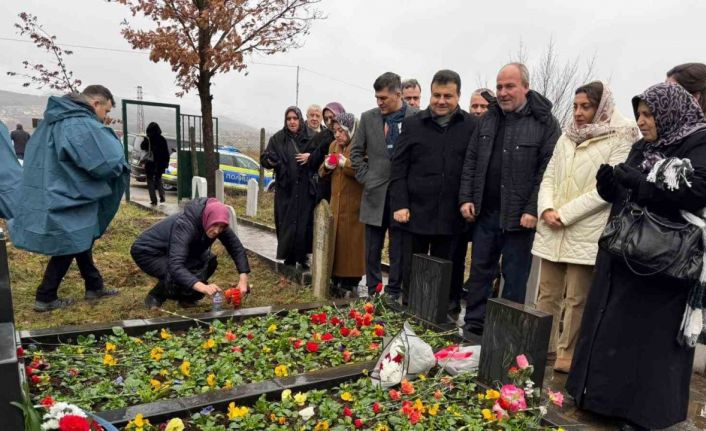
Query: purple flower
(207, 410)
(342, 347)
(118, 381)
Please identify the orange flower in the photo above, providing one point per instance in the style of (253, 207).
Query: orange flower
(407, 387)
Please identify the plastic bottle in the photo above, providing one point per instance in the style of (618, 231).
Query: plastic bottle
(217, 301)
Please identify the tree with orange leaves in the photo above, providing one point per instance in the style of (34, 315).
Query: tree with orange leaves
(200, 38)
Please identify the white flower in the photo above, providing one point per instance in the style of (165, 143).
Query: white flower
(542, 410)
(306, 413)
(58, 411)
(52, 424)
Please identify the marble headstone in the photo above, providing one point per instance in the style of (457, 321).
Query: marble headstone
(232, 219)
(220, 186)
(199, 187)
(251, 205)
(322, 258)
(430, 284)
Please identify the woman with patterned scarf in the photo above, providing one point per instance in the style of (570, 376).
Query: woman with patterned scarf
(573, 214)
(632, 361)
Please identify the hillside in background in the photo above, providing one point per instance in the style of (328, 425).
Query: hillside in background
(21, 108)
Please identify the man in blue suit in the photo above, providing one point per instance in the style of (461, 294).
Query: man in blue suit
(74, 176)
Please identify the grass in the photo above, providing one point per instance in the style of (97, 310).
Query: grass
(265, 206)
(112, 256)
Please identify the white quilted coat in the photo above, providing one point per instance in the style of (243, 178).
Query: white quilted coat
(569, 187)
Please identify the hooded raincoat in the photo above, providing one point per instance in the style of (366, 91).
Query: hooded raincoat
(74, 176)
(10, 174)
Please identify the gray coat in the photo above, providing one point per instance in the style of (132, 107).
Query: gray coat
(371, 162)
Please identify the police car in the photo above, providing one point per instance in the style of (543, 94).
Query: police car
(237, 170)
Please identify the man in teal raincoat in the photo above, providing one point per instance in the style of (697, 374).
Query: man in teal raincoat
(74, 176)
(10, 173)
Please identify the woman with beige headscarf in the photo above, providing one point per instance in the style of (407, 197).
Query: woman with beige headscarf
(573, 214)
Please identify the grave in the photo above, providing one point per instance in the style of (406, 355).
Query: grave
(11, 379)
(199, 187)
(512, 329)
(430, 284)
(322, 257)
(220, 186)
(232, 219)
(251, 205)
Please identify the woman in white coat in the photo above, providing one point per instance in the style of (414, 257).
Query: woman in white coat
(573, 215)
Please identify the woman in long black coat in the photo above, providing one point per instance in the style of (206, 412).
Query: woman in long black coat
(628, 362)
(288, 154)
(155, 142)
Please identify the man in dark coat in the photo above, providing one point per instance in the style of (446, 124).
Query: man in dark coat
(288, 153)
(19, 138)
(155, 142)
(426, 174)
(371, 151)
(320, 144)
(177, 252)
(501, 176)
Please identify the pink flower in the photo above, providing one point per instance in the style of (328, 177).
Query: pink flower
(522, 362)
(500, 413)
(512, 398)
(556, 397)
(394, 395)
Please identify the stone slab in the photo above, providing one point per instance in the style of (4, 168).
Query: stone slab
(430, 284)
(199, 187)
(251, 199)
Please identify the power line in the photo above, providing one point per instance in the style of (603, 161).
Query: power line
(98, 48)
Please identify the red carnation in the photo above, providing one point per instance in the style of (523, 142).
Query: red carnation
(353, 313)
(74, 423)
(230, 336)
(332, 160)
(376, 407)
(312, 346)
(20, 352)
(297, 344)
(29, 370)
(347, 411)
(36, 379)
(236, 349)
(395, 395)
(250, 336)
(378, 288)
(335, 321)
(346, 356)
(358, 423)
(47, 401)
(367, 319)
(345, 331)
(327, 337)
(379, 331)
(369, 308)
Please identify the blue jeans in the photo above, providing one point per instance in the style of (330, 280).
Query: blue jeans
(490, 242)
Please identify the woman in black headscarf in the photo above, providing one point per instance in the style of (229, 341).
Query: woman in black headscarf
(295, 193)
(632, 361)
(155, 143)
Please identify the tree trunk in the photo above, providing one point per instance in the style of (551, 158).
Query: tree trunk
(207, 135)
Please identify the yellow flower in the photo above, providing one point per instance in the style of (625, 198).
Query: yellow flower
(286, 394)
(346, 396)
(109, 360)
(211, 380)
(487, 414)
(281, 371)
(175, 424)
(454, 411)
(422, 377)
(272, 328)
(185, 368)
(419, 405)
(156, 384)
(156, 353)
(321, 426)
(165, 334)
(110, 347)
(163, 373)
(140, 421)
(433, 410)
(282, 420)
(382, 427)
(237, 412)
(300, 398)
(228, 384)
(481, 397)
(136, 340)
(492, 394)
(266, 349)
(209, 344)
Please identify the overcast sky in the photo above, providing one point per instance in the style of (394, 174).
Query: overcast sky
(634, 41)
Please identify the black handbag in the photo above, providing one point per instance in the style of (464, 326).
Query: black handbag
(148, 157)
(651, 244)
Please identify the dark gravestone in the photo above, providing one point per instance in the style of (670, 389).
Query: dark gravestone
(513, 329)
(430, 283)
(10, 380)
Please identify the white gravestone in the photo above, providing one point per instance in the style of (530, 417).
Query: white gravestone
(253, 191)
(232, 219)
(199, 187)
(220, 186)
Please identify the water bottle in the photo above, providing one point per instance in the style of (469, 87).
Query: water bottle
(217, 301)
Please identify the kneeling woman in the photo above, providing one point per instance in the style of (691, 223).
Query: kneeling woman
(177, 252)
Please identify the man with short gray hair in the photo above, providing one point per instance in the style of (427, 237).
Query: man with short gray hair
(500, 182)
(74, 176)
(412, 92)
(480, 100)
(314, 116)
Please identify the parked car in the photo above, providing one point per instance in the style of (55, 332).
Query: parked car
(237, 170)
(136, 153)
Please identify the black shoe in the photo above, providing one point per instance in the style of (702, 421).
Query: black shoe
(152, 303)
(97, 294)
(41, 306)
(161, 199)
(473, 330)
(629, 426)
(153, 203)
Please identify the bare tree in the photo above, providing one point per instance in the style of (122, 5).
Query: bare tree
(56, 77)
(557, 79)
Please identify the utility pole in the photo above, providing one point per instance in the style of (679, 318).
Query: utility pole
(140, 112)
(297, 102)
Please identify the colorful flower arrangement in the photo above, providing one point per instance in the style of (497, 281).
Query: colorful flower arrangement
(119, 370)
(436, 401)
